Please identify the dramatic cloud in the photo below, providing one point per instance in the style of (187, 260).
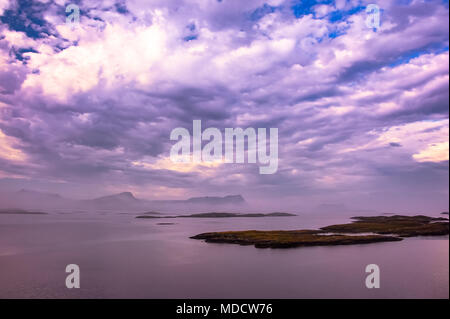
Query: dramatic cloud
(362, 113)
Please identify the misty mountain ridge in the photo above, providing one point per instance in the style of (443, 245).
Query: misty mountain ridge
(235, 199)
(31, 193)
(122, 201)
(111, 201)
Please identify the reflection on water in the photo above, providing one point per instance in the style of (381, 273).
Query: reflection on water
(123, 257)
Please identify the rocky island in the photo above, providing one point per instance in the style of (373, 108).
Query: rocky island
(372, 229)
(20, 212)
(220, 215)
(402, 226)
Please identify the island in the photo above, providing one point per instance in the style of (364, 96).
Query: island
(402, 226)
(220, 215)
(367, 229)
(19, 212)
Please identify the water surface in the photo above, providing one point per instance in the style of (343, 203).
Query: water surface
(123, 257)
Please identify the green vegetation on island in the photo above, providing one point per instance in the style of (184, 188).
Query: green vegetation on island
(19, 212)
(380, 229)
(221, 215)
(288, 238)
(403, 226)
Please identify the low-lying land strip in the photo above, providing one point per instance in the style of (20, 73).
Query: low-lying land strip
(380, 229)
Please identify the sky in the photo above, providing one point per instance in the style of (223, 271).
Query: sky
(362, 113)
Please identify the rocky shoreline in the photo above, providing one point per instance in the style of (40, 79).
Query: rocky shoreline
(381, 229)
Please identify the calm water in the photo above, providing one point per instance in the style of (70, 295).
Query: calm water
(123, 257)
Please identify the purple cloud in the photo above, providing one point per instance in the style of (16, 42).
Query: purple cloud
(90, 110)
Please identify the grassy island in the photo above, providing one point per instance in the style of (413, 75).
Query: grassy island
(375, 229)
(288, 239)
(221, 215)
(403, 226)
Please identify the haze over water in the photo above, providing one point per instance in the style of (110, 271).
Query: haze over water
(93, 93)
(123, 257)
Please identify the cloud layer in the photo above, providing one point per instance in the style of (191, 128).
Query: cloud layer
(362, 114)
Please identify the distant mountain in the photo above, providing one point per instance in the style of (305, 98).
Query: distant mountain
(126, 200)
(334, 208)
(30, 199)
(124, 197)
(230, 199)
(340, 208)
(116, 201)
(34, 195)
